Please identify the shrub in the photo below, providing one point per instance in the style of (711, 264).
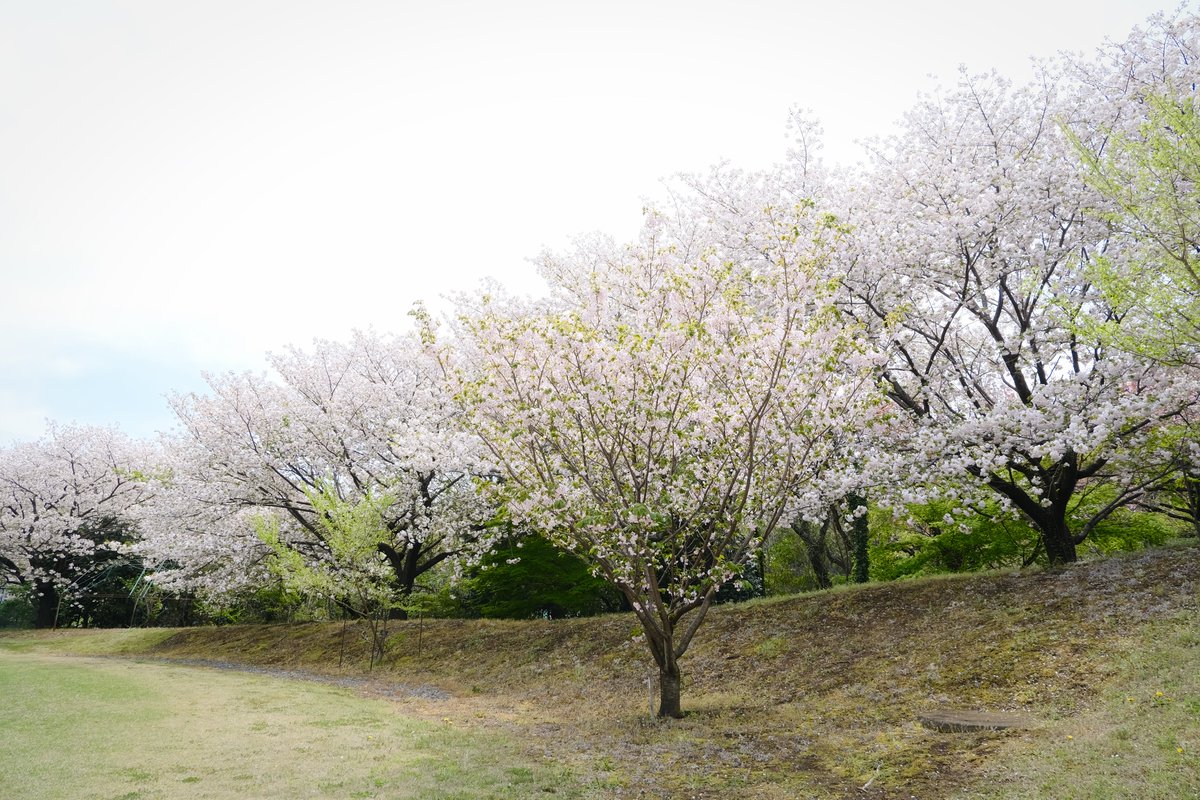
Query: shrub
(16, 611)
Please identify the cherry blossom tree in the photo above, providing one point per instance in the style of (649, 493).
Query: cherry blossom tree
(66, 507)
(362, 419)
(741, 210)
(970, 264)
(668, 407)
(194, 538)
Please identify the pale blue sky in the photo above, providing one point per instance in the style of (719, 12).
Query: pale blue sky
(184, 186)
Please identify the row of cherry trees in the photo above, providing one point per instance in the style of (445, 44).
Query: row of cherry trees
(967, 318)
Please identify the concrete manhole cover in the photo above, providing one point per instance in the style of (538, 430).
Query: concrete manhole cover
(961, 721)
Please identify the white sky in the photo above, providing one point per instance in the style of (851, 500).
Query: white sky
(186, 185)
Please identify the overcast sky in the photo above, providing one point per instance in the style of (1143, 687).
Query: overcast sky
(184, 186)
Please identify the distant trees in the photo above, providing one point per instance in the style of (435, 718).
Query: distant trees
(66, 507)
(835, 543)
(344, 423)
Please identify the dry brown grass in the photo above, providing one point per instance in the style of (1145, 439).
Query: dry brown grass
(808, 696)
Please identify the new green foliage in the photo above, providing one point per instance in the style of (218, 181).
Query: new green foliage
(929, 540)
(352, 571)
(1152, 180)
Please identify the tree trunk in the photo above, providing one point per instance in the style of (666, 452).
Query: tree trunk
(1191, 497)
(814, 548)
(45, 600)
(667, 643)
(816, 559)
(760, 558)
(1048, 510)
(1056, 533)
(861, 536)
(1056, 536)
(662, 647)
(668, 692)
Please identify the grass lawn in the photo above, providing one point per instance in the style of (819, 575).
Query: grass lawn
(120, 730)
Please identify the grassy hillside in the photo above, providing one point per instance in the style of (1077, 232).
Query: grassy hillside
(809, 696)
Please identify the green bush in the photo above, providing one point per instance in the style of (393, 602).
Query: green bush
(534, 579)
(16, 611)
(924, 542)
(1127, 529)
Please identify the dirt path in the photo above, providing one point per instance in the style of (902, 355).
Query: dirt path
(373, 686)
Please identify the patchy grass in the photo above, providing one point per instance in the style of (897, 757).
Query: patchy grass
(93, 641)
(811, 696)
(1138, 738)
(111, 729)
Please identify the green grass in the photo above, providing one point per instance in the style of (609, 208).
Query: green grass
(1140, 740)
(92, 641)
(118, 730)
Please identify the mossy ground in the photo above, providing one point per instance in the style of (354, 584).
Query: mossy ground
(807, 696)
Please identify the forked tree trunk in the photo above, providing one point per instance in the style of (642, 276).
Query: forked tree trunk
(1052, 522)
(667, 644)
(814, 548)
(816, 559)
(667, 634)
(1048, 511)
